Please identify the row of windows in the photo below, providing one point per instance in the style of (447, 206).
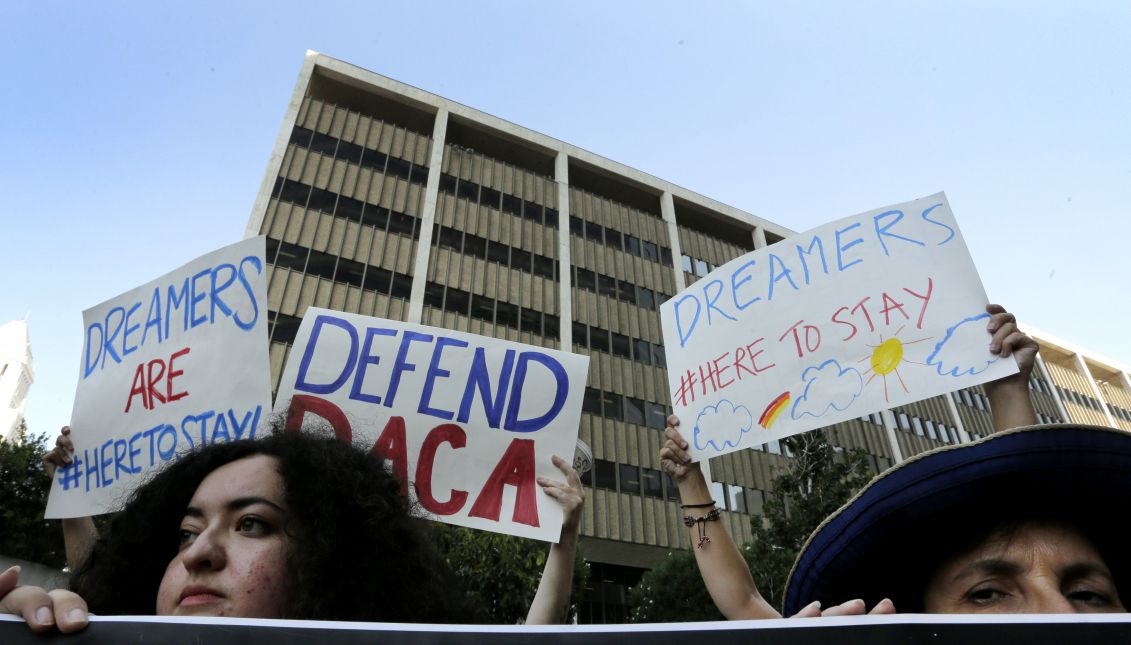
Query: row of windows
(1119, 412)
(624, 408)
(696, 266)
(1079, 399)
(635, 480)
(620, 345)
(971, 399)
(499, 200)
(491, 310)
(920, 427)
(623, 289)
(619, 241)
(1043, 418)
(355, 210)
(484, 249)
(331, 267)
(359, 155)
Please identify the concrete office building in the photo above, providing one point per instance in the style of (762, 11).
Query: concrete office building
(386, 200)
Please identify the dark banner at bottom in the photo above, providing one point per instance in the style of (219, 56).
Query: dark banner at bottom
(871, 630)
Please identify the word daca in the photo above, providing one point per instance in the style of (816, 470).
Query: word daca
(104, 464)
(749, 283)
(516, 466)
(512, 379)
(196, 299)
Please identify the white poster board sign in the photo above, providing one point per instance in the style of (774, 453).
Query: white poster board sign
(465, 422)
(868, 312)
(177, 363)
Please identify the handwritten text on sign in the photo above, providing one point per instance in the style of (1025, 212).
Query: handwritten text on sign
(869, 312)
(468, 421)
(177, 363)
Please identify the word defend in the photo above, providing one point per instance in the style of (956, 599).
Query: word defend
(865, 313)
(465, 423)
(176, 364)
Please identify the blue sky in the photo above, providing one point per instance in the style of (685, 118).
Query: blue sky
(135, 135)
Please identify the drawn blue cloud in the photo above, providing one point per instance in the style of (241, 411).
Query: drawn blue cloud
(828, 386)
(952, 354)
(721, 426)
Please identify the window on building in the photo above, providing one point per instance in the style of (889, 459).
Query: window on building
(586, 279)
(629, 478)
(633, 410)
(719, 494)
(685, 262)
(605, 474)
(904, 422)
(701, 268)
(632, 245)
(611, 406)
(736, 498)
(621, 346)
(657, 416)
(592, 401)
(599, 339)
(646, 298)
(651, 483)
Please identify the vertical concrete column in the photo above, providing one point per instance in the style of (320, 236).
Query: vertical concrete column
(962, 434)
(759, 235)
(667, 211)
(889, 429)
(1087, 374)
(565, 283)
(428, 217)
(1052, 386)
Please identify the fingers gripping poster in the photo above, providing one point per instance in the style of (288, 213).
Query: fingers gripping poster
(866, 313)
(466, 423)
(177, 363)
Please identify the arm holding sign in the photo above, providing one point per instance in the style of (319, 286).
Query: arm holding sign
(79, 533)
(724, 570)
(720, 563)
(1010, 404)
(552, 597)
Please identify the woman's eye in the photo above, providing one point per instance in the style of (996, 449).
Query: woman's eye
(985, 595)
(1089, 597)
(253, 526)
(185, 537)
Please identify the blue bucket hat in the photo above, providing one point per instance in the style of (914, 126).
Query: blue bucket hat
(889, 539)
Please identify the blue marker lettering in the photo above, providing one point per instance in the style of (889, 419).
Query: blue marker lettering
(801, 253)
(684, 335)
(513, 423)
(950, 230)
(434, 372)
(841, 248)
(735, 285)
(711, 300)
(882, 231)
(777, 275)
(401, 365)
(254, 262)
(480, 380)
(319, 323)
(367, 359)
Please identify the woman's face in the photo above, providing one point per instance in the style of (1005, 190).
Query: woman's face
(1033, 568)
(232, 558)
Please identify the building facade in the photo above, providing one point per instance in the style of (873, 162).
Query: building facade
(16, 375)
(386, 200)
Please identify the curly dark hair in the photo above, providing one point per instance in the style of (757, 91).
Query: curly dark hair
(357, 551)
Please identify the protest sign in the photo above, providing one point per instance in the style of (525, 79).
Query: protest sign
(1095, 629)
(466, 422)
(176, 363)
(868, 312)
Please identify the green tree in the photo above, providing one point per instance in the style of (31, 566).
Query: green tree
(672, 592)
(819, 480)
(24, 487)
(502, 571)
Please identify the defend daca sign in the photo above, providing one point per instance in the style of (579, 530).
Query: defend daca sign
(466, 423)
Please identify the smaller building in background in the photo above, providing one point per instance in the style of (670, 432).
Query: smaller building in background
(1087, 387)
(15, 375)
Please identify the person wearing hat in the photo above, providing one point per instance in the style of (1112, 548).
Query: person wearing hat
(1011, 523)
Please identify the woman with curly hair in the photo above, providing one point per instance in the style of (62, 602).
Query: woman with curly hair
(288, 526)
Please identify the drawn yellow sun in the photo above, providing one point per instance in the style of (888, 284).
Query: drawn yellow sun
(886, 359)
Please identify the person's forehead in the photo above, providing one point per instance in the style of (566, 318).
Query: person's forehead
(254, 476)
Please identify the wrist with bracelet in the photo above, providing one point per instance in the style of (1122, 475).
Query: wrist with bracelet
(701, 521)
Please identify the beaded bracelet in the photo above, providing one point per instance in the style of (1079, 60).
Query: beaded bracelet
(701, 521)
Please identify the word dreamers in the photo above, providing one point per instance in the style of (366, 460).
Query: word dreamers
(224, 289)
(493, 388)
(515, 467)
(114, 459)
(744, 283)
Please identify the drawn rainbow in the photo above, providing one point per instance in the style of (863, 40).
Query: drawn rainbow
(773, 410)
